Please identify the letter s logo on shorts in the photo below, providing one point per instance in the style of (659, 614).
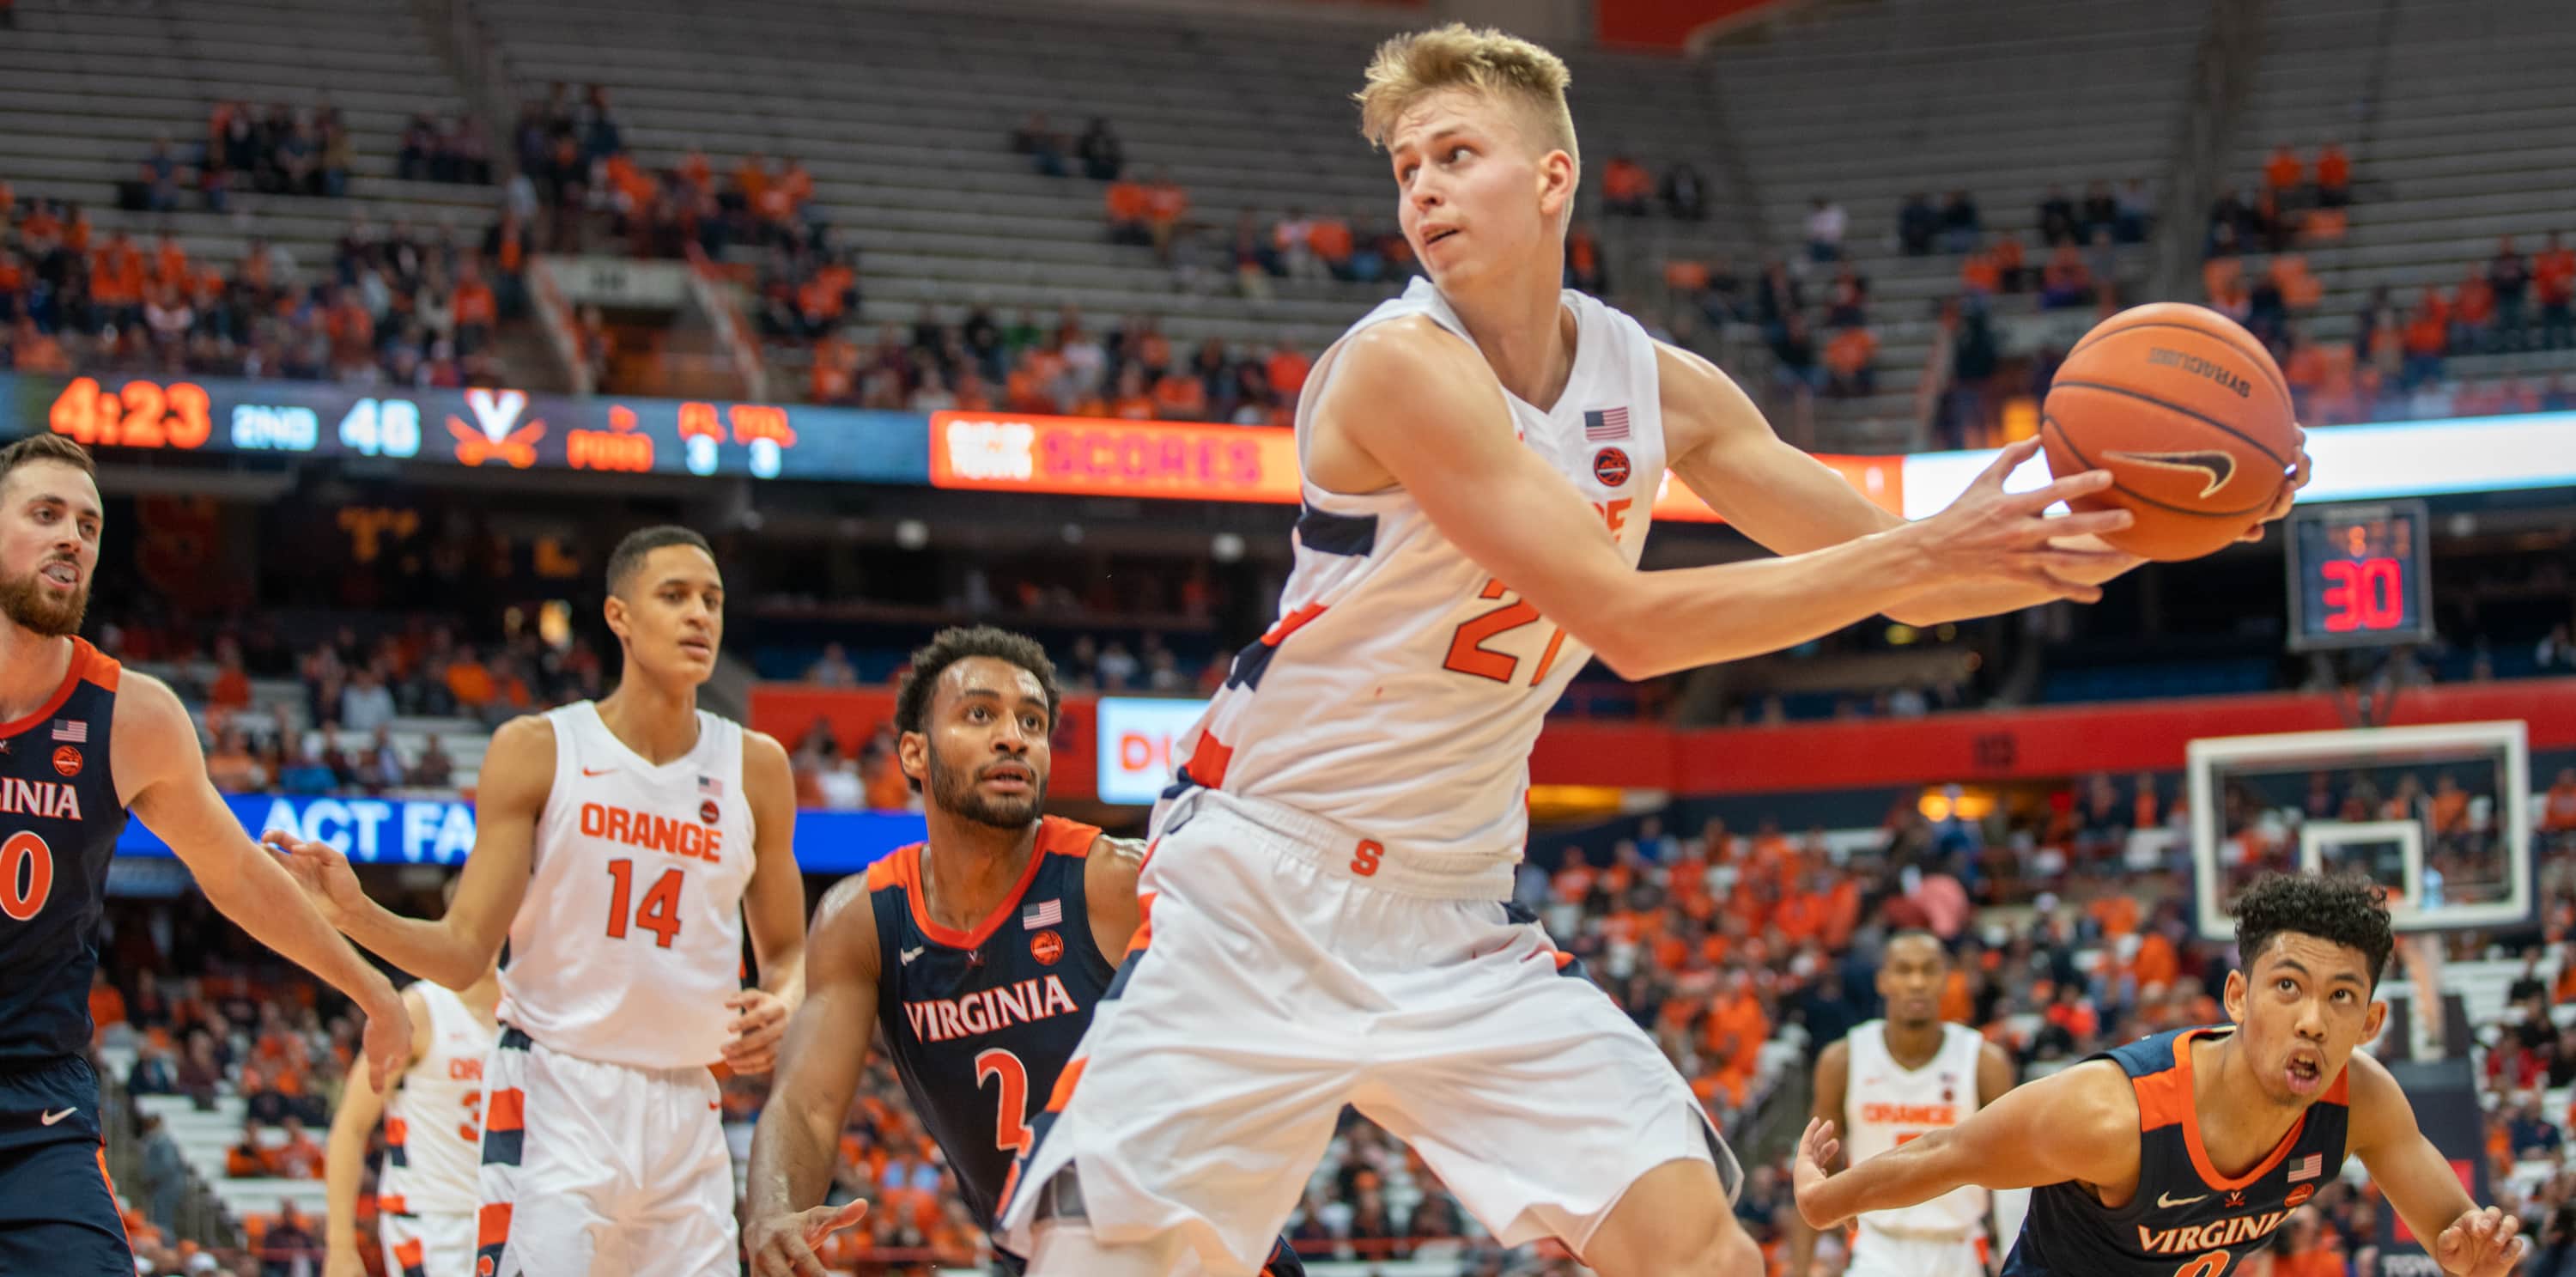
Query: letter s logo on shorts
(1364, 859)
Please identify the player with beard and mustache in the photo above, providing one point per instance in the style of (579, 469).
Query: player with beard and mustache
(979, 955)
(82, 743)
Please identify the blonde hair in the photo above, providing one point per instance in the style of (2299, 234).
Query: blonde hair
(1505, 68)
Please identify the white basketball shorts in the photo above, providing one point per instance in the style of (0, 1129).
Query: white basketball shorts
(431, 1244)
(601, 1170)
(1284, 969)
(1879, 1254)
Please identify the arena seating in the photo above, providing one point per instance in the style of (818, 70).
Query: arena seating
(1864, 103)
(2457, 120)
(85, 89)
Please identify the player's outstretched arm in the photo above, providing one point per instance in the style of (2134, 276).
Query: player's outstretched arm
(773, 905)
(1725, 451)
(344, 1155)
(510, 793)
(1833, 1075)
(799, 1135)
(163, 775)
(2419, 1183)
(1409, 404)
(2081, 1124)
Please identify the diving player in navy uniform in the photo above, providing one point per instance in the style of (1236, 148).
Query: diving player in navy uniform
(82, 742)
(2180, 1154)
(978, 956)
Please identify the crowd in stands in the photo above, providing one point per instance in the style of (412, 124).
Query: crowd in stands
(2397, 364)
(283, 151)
(1067, 368)
(401, 306)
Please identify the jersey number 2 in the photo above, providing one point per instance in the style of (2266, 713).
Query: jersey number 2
(1011, 1122)
(1469, 655)
(660, 911)
(26, 875)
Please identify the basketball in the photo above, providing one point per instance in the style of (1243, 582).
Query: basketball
(2189, 414)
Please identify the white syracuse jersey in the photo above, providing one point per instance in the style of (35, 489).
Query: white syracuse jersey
(434, 1120)
(1402, 687)
(1886, 1104)
(630, 938)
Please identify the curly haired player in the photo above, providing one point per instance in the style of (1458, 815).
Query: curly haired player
(2180, 1154)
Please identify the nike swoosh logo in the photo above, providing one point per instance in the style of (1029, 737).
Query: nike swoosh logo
(909, 954)
(2219, 466)
(51, 1118)
(2167, 1201)
(715, 1104)
(586, 771)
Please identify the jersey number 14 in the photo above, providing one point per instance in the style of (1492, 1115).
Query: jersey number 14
(658, 912)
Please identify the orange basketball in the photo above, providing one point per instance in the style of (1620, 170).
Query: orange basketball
(2188, 413)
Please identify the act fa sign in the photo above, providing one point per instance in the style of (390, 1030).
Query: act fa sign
(373, 831)
(369, 831)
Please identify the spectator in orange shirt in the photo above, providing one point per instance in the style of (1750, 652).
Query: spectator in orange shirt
(1330, 239)
(2427, 338)
(246, 1159)
(2553, 284)
(34, 351)
(1978, 274)
(116, 277)
(751, 180)
(470, 682)
(1180, 396)
(1625, 187)
(1287, 371)
(1165, 205)
(2558, 811)
(2473, 315)
(2283, 173)
(1848, 358)
(2450, 807)
(1133, 402)
(1130, 210)
(477, 310)
(106, 1001)
(2334, 176)
(298, 1157)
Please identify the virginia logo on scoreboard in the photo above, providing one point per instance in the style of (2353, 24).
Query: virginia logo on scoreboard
(496, 431)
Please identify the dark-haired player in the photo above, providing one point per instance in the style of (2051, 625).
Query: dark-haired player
(978, 956)
(2180, 1154)
(82, 743)
(619, 845)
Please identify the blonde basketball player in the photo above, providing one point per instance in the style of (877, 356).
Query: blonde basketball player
(619, 847)
(1894, 1079)
(1326, 920)
(425, 1191)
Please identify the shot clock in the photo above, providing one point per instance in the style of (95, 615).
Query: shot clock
(2359, 575)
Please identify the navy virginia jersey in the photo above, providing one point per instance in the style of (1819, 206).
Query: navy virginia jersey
(2185, 1220)
(59, 820)
(981, 1022)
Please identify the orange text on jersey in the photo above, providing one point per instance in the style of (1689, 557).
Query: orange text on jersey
(651, 832)
(1614, 513)
(464, 1070)
(1910, 1114)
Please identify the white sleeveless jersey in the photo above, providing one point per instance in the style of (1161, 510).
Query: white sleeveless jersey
(434, 1120)
(1885, 1104)
(1402, 687)
(630, 938)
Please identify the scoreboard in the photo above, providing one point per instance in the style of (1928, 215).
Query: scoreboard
(496, 428)
(2360, 575)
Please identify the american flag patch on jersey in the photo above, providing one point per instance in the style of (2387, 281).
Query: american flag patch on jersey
(710, 787)
(2309, 1167)
(1603, 424)
(1045, 913)
(74, 730)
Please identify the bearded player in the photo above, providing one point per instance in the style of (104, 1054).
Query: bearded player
(83, 742)
(1479, 460)
(619, 847)
(977, 957)
(2180, 1154)
(1894, 1080)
